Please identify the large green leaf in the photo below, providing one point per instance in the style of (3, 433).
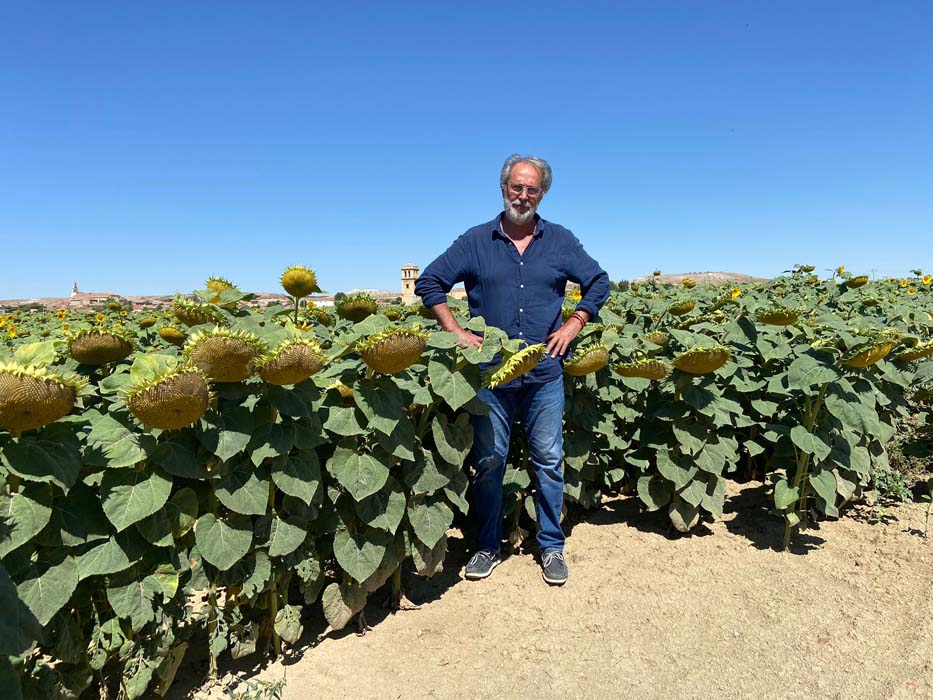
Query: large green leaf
(148, 368)
(167, 524)
(691, 435)
(384, 509)
(134, 600)
(380, 401)
(112, 444)
(677, 472)
(809, 443)
(112, 555)
(19, 628)
(23, 515)
(179, 459)
(129, 495)
(343, 421)
(227, 435)
(223, 542)
(53, 455)
(286, 536)
(359, 473)
(48, 586)
(429, 519)
(341, 602)
(428, 560)
(811, 370)
(453, 439)
(244, 489)
(824, 483)
(298, 475)
(359, 552)
(785, 495)
(453, 387)
(422, 475)
(654, 492)
(270, 440)
(683, 515)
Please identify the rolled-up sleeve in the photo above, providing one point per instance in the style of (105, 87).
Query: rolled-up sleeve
(593, 280)
(451, 266)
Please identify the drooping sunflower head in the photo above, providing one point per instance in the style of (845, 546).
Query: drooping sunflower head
(218, 285)
(856, 282)
(357, 307)
(877, 346)
(147, 322)
(96, 346)
(587, 359)
(655, 369)
(321, 315)
(777, 316)
(31, 397)
(114, 305)
(393, 313)
(292, 362)
(516, 364)
(680, 308)
(916, 350)
(702, 360)
(393, 349)
(224, 355)
(171, 401)
(808, 268)
(658, 338)
(193, 314)
(299, 281)
(688, 283)
(173, 335)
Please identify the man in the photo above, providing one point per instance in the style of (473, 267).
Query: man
(515, 270)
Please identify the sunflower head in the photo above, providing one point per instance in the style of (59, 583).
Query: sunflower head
(856, 282)
(299, 281)
(808, 268)
(688, 283)
(292, 362)
(777, 316)
(658, 338)
(171, 401)
(645, 368)
(357, 307)
(193, 314)
(224, 355)
(147, 322)
(173, 335)
(917, 351)
(392, 350)
(680, 308)
(96, 346)
(31, 397)
(702, 360)
(587, 359)
(516, 364)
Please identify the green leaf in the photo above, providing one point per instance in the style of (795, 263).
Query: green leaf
(429, 519)
(149, 368)
(23, 515)
(385, 509)
(809, 443)
(48, 586)
(167, 524)
(286, 536)
(134, 600)
(179, 460)
(422, 475)
(112, 444)
(654, 492)
(693, 492)
(223, 541)
(453, 439)
(381, 403)
(360, 552)
(785, 495)
(442, 340)
(691, 435)
(288, 623)
(714, 496)
(824, 483)
(807, 371)
(428, 560)
(129, 495)
(270, 440)
(227, 435)
(111, 556)
(35, 354)
(453, 387)
(243, 489)
(342, 420)
(298, 475)
(289, 402)
(360, 474)
(683, 515)
(678, 474)
(53, 455)
(19, 628)
(341, 603)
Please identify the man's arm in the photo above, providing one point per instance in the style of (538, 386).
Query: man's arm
(438, 278)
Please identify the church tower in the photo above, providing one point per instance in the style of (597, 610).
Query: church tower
(409, 275)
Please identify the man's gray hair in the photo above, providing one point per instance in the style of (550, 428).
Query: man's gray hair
(538, 163)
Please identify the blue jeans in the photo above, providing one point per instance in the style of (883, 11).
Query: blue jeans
(541, 407)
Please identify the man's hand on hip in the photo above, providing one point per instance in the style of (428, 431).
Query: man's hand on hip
(559, 341)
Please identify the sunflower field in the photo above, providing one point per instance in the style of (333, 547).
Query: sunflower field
(205, 479)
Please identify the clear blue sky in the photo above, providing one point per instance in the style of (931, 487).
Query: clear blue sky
(145, 146)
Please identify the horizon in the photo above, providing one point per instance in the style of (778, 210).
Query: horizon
(149, 148)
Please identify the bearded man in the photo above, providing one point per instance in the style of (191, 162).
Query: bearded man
(515, 269)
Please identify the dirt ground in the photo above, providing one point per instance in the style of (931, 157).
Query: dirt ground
(646, 613)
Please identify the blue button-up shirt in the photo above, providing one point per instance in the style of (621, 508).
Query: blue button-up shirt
(521, 294)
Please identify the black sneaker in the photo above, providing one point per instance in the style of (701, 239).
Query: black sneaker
(482, 563)
(554, 567)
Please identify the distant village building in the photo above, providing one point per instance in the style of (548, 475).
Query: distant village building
(410, 276)
(87, 300)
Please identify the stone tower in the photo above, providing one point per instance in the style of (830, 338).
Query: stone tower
(409, 275)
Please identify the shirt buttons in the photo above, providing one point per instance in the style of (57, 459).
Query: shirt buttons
(521, 263)
(522, 286)
(520, 333)
(521, 310)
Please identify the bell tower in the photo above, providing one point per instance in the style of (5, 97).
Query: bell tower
(409, 275)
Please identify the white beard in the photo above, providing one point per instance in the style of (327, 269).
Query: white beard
(514, 215)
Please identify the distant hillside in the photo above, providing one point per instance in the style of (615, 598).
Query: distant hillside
(702, 278)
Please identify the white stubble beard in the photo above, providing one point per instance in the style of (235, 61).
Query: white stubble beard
(516, 217)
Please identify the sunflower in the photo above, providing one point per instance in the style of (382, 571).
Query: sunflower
(61, 313)
(904, 283)
(927, 279)
(123, 313)
(912, 291)
(100, 318)
(736, 292)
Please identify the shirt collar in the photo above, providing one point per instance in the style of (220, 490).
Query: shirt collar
(496, 224)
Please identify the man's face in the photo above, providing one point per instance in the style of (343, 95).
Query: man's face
(520, 203)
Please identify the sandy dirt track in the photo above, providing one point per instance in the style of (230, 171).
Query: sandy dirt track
(649, 614)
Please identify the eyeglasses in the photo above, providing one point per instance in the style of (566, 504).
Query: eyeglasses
(518, 189)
